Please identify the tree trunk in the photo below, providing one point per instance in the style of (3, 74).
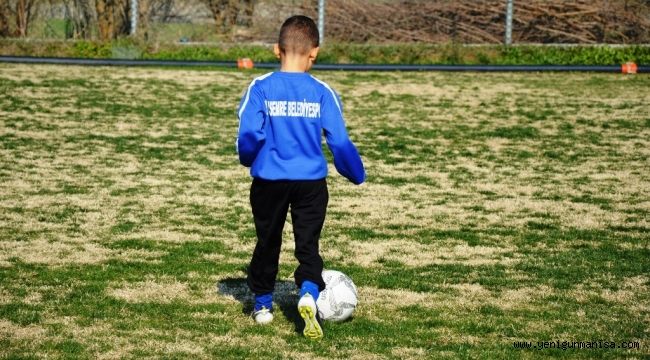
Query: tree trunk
(224, 13)
(217, 8)
(232, 11)
(105, 23)
(144, 13)
(248, 10)
(4, 19)
(24, 15)
(83, 19)
(78, 18)
(122, 18)
(112, 18)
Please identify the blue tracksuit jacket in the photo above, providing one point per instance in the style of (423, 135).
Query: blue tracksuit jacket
(281, 119)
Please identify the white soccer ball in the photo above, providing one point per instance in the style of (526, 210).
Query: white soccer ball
(339, 298)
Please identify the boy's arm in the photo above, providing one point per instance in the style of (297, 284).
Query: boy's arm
(251, 135)
(346, 157)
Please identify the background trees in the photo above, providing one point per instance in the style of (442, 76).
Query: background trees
(356, 21)
(227, 12)
(18, 12)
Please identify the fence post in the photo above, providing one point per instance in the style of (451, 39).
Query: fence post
(321, 21)
(508, 39)
(134, 16)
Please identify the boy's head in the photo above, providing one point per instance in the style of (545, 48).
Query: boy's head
(298, 39)
(298, 35)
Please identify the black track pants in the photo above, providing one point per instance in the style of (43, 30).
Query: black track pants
(270, 201)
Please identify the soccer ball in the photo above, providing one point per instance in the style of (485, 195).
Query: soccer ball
(339, 298)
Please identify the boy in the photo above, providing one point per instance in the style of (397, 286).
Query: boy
(281, 118)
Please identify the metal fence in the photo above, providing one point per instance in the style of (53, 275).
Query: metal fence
(359, 21)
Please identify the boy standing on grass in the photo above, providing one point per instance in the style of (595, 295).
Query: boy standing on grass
(282, 118)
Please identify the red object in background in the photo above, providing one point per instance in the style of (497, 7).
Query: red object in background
(245, 63)
(629, 68)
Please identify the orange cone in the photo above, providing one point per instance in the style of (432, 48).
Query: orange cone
(244, 63)
(629, 68)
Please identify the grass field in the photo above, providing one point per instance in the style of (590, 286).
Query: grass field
(498, 208)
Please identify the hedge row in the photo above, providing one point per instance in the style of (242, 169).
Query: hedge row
(341, 53)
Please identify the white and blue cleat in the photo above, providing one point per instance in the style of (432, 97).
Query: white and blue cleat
(308, 311)
(263, 316)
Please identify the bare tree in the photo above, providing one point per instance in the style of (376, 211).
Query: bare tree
(79, 13)
(84, 19)
(5, 30)
(220, 10)
(24, 15)
(112, 18)
(162, 9)
(227, 13)
(246, 12)
(145, 10)
(105, 19)
(122, 17)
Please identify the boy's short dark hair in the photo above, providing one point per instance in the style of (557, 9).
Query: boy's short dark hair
(298, 34)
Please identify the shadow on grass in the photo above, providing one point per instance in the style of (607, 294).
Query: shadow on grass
(285, 297)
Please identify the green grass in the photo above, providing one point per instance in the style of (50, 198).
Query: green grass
(498, 208)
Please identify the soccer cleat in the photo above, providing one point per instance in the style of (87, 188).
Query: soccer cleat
(263, 316)
(307, 309)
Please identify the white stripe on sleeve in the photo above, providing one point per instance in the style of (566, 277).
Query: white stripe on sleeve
(248, 92)
(243, 106)
(336, 100)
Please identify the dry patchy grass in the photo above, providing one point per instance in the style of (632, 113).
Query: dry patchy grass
(499, 207)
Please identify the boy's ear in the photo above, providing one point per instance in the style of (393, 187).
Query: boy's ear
(276, 50)
(313, 54)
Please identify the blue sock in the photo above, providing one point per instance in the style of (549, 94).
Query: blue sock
(263, 300)
(311, 288)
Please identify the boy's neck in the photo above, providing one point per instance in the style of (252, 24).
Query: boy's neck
(294, 63)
